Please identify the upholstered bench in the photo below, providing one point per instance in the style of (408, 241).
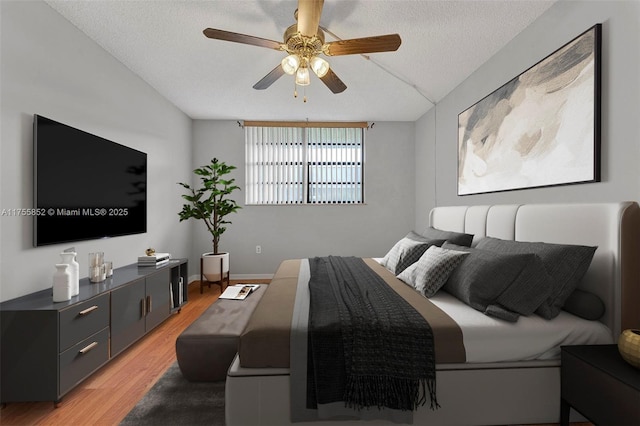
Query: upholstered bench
(207, 347)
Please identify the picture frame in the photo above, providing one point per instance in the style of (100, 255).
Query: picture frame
(540, 129)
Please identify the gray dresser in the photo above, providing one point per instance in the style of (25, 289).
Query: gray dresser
(48, 348)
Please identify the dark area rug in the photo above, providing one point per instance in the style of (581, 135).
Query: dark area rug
(175, 401)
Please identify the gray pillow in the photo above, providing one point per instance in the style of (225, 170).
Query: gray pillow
(417, 237)
(584, 305)
(530, 289)
(498, 311)
(483, 276)
(458, 238)
(566, 264)
(407, 251)
(431, 271)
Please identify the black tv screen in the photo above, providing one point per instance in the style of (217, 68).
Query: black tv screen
(85, 187)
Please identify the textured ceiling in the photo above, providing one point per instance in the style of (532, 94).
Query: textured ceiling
(161, 41)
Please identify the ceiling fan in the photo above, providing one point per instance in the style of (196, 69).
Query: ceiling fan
(304, 42)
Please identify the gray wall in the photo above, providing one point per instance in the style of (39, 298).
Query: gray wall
(425, 166)
(620, 106)
(49, 67)
(286, 232)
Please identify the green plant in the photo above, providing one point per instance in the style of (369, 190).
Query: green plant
(211, 201)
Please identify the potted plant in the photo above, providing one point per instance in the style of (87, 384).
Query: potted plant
(211, 203)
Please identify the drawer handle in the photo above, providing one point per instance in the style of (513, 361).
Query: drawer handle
(88, 310)
(88, 347)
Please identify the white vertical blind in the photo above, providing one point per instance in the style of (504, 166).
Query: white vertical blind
(335, 165)
(274, 165)
(294, 165)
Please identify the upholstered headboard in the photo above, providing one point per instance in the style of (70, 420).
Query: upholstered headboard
(614, 274)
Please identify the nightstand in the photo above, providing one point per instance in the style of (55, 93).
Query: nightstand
(600, 385)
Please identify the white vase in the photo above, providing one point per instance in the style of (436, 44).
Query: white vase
(74, 270)
(61, 283)
(215, 266)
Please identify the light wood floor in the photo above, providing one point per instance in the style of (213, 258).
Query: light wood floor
(108, 395)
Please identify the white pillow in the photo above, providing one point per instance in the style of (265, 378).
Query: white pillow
(432, 270)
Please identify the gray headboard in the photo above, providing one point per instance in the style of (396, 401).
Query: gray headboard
(614, 274)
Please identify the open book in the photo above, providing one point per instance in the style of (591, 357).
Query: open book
(238, 291)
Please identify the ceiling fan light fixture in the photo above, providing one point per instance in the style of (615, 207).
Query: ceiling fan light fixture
(302, 76)
(290, 64)
(303, 42)
(319, 66)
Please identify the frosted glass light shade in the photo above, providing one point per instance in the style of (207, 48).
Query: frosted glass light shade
(290, 64)
(319, 66)
(302, 76)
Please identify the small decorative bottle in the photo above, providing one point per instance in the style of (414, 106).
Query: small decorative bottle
(61, 283)
(74, 270)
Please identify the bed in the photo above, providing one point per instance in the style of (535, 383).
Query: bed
(499, 386)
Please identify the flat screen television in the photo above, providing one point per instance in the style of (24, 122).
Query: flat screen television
(85, 187)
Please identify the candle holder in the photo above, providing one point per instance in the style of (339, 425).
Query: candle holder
(97, 271)
(108, 268)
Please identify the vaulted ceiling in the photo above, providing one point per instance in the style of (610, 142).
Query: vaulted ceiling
(161, 41)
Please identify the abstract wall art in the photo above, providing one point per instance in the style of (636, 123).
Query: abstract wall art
(540, 129)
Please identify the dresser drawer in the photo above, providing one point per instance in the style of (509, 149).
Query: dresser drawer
(82, 320)
(79, 361)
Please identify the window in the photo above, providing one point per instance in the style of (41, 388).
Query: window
(304, 165)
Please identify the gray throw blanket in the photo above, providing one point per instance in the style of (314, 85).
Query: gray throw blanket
(367, 346)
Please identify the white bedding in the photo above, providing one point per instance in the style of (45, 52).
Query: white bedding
(488, 339)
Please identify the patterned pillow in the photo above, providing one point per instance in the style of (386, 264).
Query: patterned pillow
(431, 271)
(458, 238)
(407, 251)
(566, 264)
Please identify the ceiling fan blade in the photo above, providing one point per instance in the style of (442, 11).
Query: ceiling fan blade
(384, 43)
(270, 78)
(333, 82)
(309, 12)
(242, 38)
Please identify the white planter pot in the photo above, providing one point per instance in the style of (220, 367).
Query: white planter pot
(215, 267)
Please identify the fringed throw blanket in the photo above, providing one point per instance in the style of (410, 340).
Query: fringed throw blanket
(367, 346)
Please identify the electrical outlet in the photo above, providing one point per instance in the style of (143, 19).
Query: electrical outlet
(258, 249)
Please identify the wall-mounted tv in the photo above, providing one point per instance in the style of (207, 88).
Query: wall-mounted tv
(85, 187)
